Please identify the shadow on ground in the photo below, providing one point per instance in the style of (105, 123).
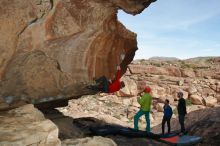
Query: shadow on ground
(205, 123)
(70, 128)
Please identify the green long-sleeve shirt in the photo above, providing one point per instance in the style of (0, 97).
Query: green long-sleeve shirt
(145, 102)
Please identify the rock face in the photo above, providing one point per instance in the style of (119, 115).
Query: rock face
(196, 78)
(130, 89)
(211, 101)
(53, 48)
(95, 141)
(100, 107)
(198, 91)
(28, 126)
(201, 94)
(120, 108)
(196, 99)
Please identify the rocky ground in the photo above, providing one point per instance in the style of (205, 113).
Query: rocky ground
(196, 78)
(114, 110)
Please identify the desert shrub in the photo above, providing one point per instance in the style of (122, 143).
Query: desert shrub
(188, 102)
(156, 64)
(161, 77)
(185, 65)
(175, 111)
(210, 60)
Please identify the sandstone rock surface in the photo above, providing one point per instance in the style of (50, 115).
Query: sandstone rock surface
(130, 88)
(196, 99)
(210, 101)
(94, 141)
(27, 126)
(168, 77)
(52, 49)
(192, 90)
(160, 107)
(113, 109)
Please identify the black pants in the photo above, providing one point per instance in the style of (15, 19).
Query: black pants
(181, 121)
(102, 84)
(166, 120)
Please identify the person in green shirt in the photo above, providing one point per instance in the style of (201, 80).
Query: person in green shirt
(145, 103)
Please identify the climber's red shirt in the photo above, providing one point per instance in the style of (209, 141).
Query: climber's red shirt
(116, 85)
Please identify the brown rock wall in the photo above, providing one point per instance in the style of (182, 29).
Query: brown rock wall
(167, 78)
(15, 16)
(53, 49)
(27, 126)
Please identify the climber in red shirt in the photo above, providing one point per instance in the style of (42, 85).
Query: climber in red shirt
(116, 85)
(106, 86)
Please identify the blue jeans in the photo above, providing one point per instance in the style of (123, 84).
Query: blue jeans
(137, 117)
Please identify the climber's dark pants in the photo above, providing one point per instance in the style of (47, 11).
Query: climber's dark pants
(164, 121)
(181, 121)
(103, 84)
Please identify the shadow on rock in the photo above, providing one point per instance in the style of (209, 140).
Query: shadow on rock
(70, 128)
(204, 123)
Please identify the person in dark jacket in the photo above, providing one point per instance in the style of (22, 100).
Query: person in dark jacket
(181, 110)
(168, 112)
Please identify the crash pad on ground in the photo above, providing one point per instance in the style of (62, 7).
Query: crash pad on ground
(171, 138)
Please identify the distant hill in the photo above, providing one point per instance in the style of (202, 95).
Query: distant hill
(196, 59)
(202, 58)
(157, 58)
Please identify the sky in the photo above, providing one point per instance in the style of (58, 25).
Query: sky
(176, 28)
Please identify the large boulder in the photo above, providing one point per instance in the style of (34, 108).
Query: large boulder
(207, 91)
(196, 99)
(174, 90)
(188, 73)
(130, 88)
(218, 98)
(192, 90)
(169, 97)
(53, 49)
(174, 71)
(159, 107)
(94, 141)
(157, 91)
(144, 69)
(28, 126)
(195, 108)
(210, 101)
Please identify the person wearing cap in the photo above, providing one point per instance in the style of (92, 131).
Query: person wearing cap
(181, 111)
(145, 103)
